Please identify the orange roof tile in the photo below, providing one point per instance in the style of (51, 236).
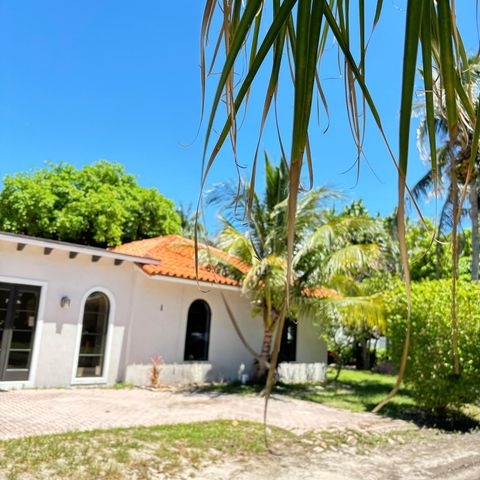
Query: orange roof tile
(177, 259)
(321, 292)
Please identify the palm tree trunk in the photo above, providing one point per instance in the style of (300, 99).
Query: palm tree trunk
(261, 367)
(473, 194)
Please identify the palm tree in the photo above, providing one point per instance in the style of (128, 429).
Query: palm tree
(323, 252)
(250, 31)
(188, 223)
(464, 175)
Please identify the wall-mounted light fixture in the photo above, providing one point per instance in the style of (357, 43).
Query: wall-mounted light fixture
(65, 302)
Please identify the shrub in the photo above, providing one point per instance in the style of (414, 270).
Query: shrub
(429, 370)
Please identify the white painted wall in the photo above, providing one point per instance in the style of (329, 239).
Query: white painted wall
(159, 325)
(150, 317)
(62, 276)
(310, 349)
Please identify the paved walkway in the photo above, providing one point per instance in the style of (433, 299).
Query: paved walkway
(36, 412)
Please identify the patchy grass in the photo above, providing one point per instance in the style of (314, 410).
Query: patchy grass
(356, 390)
(140, 452)
(360, 391)
(168, 450)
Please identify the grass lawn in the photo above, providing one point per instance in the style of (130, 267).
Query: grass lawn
(360, 391)
(169, 450)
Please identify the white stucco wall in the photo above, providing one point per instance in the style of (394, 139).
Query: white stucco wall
(159, 327)
(310, 349)
(59, 328)
(149, 317)
(159, 324)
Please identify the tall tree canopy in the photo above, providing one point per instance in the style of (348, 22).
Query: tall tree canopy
(97, 205)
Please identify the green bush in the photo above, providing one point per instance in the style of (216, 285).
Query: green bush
(429, 370)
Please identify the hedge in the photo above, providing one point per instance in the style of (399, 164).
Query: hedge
(429, 371)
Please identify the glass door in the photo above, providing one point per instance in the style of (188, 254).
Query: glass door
(18, 319)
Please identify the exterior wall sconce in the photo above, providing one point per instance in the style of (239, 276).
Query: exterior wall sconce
(65, 302)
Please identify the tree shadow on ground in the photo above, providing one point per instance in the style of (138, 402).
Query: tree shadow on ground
(360, 396)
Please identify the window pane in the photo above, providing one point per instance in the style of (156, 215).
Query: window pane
(21, 340)
(24, 320)
(198, 327)
(90, 366)
(18, 360)
(91, 344)
(288, 347)
(27, 301)
(4, 295)
(94, 332)
(3, 316)
(93, 323)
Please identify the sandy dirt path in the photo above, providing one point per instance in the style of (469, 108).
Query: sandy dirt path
(425, 456)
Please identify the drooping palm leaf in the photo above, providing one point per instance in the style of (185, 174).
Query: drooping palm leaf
(304, 26)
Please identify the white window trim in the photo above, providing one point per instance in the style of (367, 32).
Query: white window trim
(12, 384)
(108, 342)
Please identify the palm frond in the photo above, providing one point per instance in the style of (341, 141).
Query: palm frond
(361, 311)
(353, 259)
(234, 243)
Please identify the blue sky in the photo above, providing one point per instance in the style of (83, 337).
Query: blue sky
(118, 80)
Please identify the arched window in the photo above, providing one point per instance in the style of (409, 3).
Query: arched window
(198, 331)
(94, 335)
(288, 347)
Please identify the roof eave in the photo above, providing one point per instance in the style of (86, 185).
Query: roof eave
(76, 248)
(190, 281)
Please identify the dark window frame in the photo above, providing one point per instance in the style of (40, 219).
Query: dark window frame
(192, 352)
(8, 349)
(288, 352)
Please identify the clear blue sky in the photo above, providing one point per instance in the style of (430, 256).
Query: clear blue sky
(119, 80)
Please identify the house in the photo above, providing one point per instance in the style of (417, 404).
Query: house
(72, 314)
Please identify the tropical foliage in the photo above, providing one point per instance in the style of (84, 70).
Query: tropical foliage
(466, 172)
(429, 372)
(189, 224)
(251, 31)
(329, 250)
(98, 205)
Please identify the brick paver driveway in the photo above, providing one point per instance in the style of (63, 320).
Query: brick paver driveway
(35, 412)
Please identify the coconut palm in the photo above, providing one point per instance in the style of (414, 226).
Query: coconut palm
(323, 250)
(250, 31)
(189, 224)
(463, 173)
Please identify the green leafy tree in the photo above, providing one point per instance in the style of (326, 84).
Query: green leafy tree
(357, 315)
(98, 205)
(429, 259)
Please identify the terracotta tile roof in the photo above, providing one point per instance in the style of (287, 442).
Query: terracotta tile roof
(321, 292)
(177, 259)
